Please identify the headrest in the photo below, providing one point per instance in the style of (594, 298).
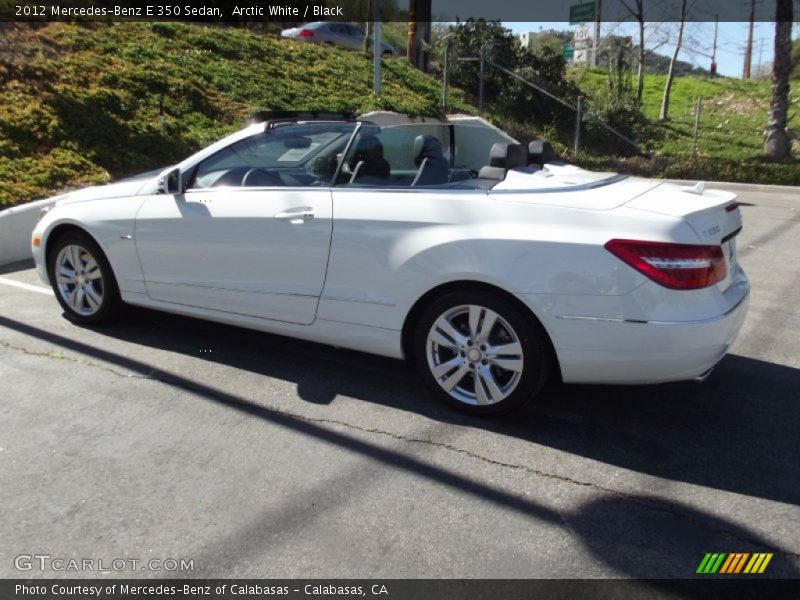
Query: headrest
(369, 146)
(426, 146)
(541, 152)
(508, 156)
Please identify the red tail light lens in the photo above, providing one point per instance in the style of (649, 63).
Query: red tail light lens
(306, 33)
(675, 266)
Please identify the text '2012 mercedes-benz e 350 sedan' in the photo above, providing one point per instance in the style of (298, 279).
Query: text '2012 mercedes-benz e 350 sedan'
(488, 263)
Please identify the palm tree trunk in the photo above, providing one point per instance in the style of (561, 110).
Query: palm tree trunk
(671, 74)
(776, 138)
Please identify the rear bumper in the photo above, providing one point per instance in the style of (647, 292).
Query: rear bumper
(620, 351)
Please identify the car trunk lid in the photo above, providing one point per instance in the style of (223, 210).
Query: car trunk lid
(713, 215)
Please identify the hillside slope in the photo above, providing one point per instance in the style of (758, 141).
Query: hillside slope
(81, 104)
(731, 134)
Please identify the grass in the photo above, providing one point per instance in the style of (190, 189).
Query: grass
(733, 117)
(81, 104)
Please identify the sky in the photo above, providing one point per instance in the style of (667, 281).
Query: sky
(731, 40)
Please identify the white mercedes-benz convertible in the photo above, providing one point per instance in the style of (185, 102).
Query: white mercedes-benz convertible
(490, 264)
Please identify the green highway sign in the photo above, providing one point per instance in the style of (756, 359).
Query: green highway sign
(581, 13)
(568, 51)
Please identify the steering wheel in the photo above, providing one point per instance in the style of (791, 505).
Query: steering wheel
(274, 177)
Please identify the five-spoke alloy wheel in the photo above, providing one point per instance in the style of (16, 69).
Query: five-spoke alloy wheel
(481, 352)
(82, 279)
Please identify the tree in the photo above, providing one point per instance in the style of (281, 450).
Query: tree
(636, 9)
(777, 144)
(664, 115)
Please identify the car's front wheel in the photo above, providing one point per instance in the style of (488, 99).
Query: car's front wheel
(481, 353)
(82, 280)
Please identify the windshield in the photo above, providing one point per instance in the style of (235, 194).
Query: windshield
(287, 155)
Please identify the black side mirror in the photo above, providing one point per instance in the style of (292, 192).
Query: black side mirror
(171, 182)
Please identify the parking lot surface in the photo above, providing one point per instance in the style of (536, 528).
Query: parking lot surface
(253, 455)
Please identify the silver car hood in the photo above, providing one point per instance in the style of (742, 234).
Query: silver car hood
(144, 183)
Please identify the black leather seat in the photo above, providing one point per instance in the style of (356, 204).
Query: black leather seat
(502, 158)
(433, 166)
(541, 153)
(367, 160)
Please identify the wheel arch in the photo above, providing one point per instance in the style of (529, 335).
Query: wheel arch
(66, 228)
(407, 332)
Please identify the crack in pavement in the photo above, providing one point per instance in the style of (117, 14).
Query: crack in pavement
(57, 356)
(649, 504)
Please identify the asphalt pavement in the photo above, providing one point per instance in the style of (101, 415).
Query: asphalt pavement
(250, 455)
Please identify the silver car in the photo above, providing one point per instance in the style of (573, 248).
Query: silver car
(342, 35)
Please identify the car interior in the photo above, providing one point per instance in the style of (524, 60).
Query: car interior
(388, 157)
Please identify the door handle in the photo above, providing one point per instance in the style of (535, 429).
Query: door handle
(296, 215)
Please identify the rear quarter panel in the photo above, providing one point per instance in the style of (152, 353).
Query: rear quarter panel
(390, 247)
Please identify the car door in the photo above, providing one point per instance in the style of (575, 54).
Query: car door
(251, 233)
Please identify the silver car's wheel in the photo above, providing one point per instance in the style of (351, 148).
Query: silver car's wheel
(481, 352)
(475, 355)
(79, 280)
(82, 279)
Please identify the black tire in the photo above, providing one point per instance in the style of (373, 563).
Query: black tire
(110, 306)
(522, 383)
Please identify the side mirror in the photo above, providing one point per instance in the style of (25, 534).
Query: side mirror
(170, 182)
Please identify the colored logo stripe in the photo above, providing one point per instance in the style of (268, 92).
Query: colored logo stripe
(711, 563)
(758, 563)
(733, 563)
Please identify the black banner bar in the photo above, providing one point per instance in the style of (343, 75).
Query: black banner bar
(296, 11)
(395, 589)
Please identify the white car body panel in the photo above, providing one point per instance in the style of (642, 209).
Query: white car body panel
(208, 249)
(350, 275)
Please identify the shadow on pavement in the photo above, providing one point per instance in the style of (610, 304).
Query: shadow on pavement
(633, 427)
(665, 539)
(735, 432)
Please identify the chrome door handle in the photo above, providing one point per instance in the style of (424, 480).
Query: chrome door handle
(296, 215)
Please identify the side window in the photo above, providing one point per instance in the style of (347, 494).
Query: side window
(354, 31)
(297, 154)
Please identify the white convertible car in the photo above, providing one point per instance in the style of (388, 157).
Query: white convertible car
(488, 263)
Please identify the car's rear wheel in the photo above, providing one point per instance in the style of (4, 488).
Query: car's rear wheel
(481, 353)
(82, 280)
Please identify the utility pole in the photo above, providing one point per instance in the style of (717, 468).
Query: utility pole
(578, 124)
(714, 50)
(748, 53)
(480, 79)
(445, 75)
(598, 6)
(376, 51)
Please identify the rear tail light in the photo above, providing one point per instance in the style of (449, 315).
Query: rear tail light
(306, 33)
(675, 266)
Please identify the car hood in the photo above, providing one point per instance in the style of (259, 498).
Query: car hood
(132, 186)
